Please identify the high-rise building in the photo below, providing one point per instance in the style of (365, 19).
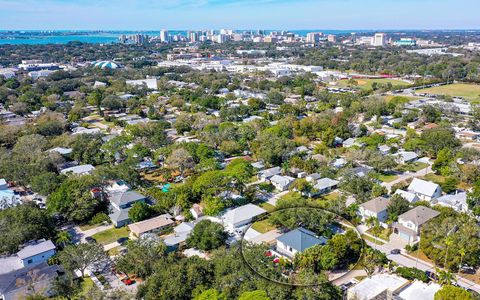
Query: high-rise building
(332, 38)
(313, 37)
(164, 36)
(222, 38)
(380, 39)
(193, 36)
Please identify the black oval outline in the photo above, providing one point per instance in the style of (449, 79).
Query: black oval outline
(293, 284)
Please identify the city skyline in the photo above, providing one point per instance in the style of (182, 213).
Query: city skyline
(196, 14)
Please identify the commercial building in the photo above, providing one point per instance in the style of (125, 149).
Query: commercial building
(380, 39)
(313, 37)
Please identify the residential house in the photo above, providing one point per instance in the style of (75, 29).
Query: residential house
(62, 151)
(339, 163)
(360, 171)
(36, 252)
(456, 201)
(30, 281)
(180, 235)
(419, 290)
(241, 216)
(152, 225)
(384, 149)
(297, 241)
(404, 157)
(78, 170)
(8, 197)
(265, 175)
(352, 142)
(425, 190)
(32, 253)
(3, 184)
(281, 183)
(410, 197)
(409, 223)
(196, 210)
(313, 177)
(378, 286)
(120, 204)
(377, 208)
(324, 186)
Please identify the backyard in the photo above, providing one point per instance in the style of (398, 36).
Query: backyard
(263, 226)
(111, 235)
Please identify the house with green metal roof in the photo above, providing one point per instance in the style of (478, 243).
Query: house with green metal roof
(298, 240)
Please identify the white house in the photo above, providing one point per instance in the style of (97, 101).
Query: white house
(404, 157)
(410, 197)
(36, 252)
(376, 208)
(419, 290)
(425, 190)
(378, 286)
(325, 185)
(409, 223)
(457, 201)
(269, 173)
(297, 241)
(78, 170)
(241, 216)
(150, 83)
(281, 183)
(196, 210)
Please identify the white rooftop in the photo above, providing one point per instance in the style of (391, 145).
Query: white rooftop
(371, 287)
(423, 187)
(419, 290)
(243, 213)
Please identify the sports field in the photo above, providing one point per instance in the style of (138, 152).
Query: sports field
(467, 91)
(366, 84)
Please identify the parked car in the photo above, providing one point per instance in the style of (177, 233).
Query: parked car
(128, 281)
(395, 251)
(122, 240)
(90, 239)
(431, 275)
(467, 270)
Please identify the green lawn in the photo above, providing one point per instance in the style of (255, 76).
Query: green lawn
(438, 179)
(86, 284)
(370, 239)
(387, 177)
(366, 84)
(384, 234)
(267, 206)
(111, 235)
(263, 226)
(467, 91)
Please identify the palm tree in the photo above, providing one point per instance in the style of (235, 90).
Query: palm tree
(371, 221)
(64, 238)
(462, 255)
(445, 277)
(448, 243)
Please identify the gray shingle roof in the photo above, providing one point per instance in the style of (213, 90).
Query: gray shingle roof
(127, 197)
(376, 205)
(23, 277)
(32, 250)
(419, 215)
(301, 239)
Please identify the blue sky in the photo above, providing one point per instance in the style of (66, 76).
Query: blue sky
(239, 14)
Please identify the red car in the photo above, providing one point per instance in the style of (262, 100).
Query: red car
(128, 281)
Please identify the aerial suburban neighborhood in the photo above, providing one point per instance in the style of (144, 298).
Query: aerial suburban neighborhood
(239, 164)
